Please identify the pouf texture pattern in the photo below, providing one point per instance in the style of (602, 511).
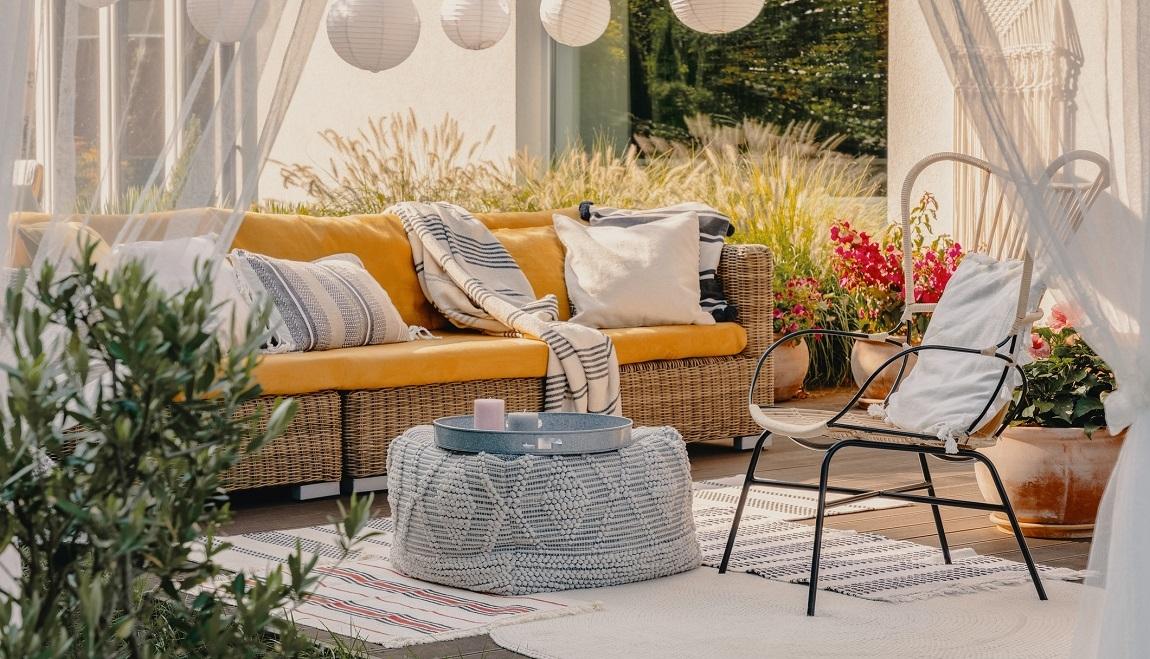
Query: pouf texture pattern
(520, 524)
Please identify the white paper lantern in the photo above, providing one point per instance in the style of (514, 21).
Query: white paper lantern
(475, 24)
(716, 16)
(575, 22)
(96, 4)
(227, 21)
(373, 34)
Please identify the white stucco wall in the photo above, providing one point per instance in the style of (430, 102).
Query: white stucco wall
(500, 86)
(920, 108)
(921, 101)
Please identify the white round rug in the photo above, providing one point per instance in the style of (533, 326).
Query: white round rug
(704, 614)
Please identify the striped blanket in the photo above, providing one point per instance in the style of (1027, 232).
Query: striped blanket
(714, 228)
(471, 279)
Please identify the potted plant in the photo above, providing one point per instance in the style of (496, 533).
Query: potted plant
(1056, 457)
(799, 303)
(870, 269)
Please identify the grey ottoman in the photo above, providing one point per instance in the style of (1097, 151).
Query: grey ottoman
(523, 524)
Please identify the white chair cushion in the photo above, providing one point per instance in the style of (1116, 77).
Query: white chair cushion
(947, 392)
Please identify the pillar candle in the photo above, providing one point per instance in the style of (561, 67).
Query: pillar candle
(523, 421)
(489, 414)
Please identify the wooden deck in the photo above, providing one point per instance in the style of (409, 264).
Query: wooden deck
(785, 461)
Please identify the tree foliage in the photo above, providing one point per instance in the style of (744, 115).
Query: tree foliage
(800, 60)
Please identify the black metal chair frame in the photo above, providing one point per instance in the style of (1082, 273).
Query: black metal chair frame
(911, 492)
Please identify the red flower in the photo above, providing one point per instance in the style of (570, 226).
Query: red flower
(1039, 348)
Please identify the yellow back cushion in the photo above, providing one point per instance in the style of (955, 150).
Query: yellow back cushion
(379, 240)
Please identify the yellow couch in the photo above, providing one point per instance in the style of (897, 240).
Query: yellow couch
(358, 399)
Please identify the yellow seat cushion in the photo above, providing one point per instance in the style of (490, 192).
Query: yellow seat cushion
(458, 356)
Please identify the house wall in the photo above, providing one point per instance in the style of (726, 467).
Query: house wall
(501, 86)
(921, 101)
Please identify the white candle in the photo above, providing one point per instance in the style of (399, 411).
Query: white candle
(489, 414)
(523, 421)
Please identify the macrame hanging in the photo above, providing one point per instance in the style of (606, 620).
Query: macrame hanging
(1044, 56)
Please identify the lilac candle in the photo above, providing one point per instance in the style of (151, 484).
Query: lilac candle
(489, 414)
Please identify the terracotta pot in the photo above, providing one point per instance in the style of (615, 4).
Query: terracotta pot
(1054, 478)
(866, 357)
(792, 361)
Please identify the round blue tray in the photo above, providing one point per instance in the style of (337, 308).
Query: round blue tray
(562, 433)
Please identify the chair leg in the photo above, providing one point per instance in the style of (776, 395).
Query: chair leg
(934, 509)
(742, 501)
(1009, 510)
(820, 517)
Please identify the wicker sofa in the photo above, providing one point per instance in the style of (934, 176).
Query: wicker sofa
(354, 401)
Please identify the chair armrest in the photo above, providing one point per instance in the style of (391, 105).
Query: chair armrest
(747, 273)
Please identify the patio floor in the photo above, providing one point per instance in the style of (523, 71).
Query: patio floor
(264, 511)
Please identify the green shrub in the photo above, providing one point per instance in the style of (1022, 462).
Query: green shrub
(138, 402)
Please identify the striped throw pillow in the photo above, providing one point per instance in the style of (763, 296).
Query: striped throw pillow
(329, 303)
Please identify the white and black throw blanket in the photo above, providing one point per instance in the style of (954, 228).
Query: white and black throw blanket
(714, 227)
(469, 276)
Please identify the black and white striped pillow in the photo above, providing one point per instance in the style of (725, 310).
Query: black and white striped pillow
(714, 228)
(329, 303)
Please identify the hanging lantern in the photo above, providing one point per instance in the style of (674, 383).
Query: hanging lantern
(475, 24)
(716, 16)
(96, 4)
(373, 34)
(575, 22)
(227, 21)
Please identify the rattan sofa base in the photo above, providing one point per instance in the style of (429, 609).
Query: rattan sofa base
(702, 398)
(309, 451)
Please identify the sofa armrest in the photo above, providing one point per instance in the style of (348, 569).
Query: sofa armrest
(747, 273)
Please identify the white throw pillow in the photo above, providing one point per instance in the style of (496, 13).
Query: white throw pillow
(172, 264)
(637, 276)
(947, 392)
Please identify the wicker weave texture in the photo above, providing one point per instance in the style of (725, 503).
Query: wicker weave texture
(371, 419)
(515, 525)
(308, 451)
(704, 399)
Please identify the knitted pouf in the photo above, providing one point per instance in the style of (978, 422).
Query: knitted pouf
(519, 524)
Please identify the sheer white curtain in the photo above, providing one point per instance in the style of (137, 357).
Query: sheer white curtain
(1102, 270)
(126, 122)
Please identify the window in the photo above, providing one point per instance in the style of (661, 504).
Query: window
(800, 60)
(102, 133)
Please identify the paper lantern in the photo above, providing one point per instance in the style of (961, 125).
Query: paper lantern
(373, 34)
(227, 21)
(96, 4)
(575, 22)
(716, 16)
(475, 24)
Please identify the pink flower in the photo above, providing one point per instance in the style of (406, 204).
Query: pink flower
(1039, 348)
(1061, 318)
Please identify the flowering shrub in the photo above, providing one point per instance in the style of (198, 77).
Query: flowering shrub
(1067, 383)
(870, 268)
(799, 303)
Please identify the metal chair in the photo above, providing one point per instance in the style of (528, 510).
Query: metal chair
(832, 431)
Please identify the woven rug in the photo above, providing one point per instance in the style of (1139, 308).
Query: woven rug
(862, 565)
(365, 598)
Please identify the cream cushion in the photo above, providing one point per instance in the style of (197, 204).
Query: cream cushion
(638, 276)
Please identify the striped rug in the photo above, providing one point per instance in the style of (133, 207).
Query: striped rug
(365, 598)
(862, 565)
